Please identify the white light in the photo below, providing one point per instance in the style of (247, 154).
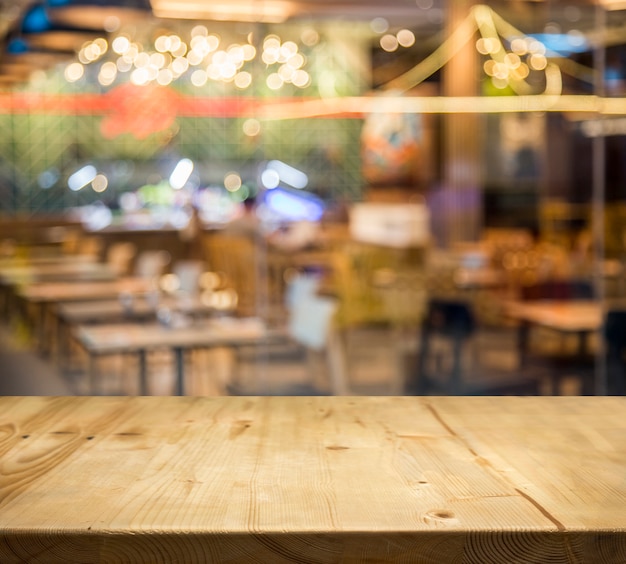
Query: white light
(243, 80)
(301, 79)
(74, 72)
(121, 44)
(274, 81)
(310, 37)
(111, 24)
(296, 61)
(100, 183)
(249, 52)
(232, 182)
(139, 77)
(108, 71)
(82, 177)
(199, 31)
(251, 127)
(270, 179)
(389, 43)
(179, 65)
(405, 37)
(379, 25)
(289, 174)
(165, 77)
(181, 173)
(199, 77)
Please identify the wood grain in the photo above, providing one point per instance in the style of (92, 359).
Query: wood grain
(312, 479)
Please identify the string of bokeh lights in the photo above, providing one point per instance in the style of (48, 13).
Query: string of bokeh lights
(204, 57)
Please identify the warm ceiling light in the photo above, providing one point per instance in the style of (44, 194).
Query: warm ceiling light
(232, 10)
(613, 4)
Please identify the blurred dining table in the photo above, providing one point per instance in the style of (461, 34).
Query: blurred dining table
(126, 308)
(178, 334)
(38, 300)
(566, 316)
(76, 268)
(580, 318)
(53, 271)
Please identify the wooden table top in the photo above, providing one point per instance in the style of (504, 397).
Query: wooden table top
(63, 271)
(47, 259)
(561, 315)
(68, 291)
(127, 337)
(139, 306)
(313, 479)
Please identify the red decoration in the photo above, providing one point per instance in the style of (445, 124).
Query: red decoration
(139, 110)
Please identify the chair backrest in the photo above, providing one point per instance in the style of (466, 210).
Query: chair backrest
(119, 257)
(90, 246)
(151, 263)
(614, 334)
(450, 318)
(453, 320)
(309, 315)
(237, 258)
(615, 328)
(188, 273)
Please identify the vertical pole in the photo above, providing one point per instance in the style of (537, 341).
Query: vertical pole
(462, 141)
(598, 193)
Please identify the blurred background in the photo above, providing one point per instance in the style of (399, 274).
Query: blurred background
(423, 196)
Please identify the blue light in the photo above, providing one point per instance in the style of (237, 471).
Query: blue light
(562, 44)
(17, 46)
(36, 20)
(294, 207)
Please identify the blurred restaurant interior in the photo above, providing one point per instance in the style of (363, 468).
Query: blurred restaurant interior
(291, 197)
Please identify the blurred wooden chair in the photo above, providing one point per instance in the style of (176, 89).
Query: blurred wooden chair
(355, 268)
(448, 365)
(305, 358)
(376, 288)
(311, 324)
(119, 256)
(240, 260)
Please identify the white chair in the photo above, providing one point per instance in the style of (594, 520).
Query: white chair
(310, 323)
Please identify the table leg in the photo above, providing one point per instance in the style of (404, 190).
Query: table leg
(179, 357)
(92, 374)
(523, 332)
(582, 344)
(143, 373)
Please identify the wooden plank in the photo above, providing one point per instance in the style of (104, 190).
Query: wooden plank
(312, 479)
